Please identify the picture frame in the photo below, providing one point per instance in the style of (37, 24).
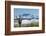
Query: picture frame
(9, 15)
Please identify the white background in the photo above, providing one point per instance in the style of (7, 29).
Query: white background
(2, 18)
(26, 28)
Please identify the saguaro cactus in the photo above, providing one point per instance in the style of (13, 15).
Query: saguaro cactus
(20, 20)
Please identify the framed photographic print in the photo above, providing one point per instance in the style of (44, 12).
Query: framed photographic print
(24, 17)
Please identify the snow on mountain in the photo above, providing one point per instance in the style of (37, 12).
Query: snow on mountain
(26, 21)
(29, 21)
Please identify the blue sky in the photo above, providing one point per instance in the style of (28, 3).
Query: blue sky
(22, 11)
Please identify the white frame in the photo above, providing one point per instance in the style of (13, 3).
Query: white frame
(26, 28)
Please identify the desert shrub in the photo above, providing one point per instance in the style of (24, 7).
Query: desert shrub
(34, 24)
